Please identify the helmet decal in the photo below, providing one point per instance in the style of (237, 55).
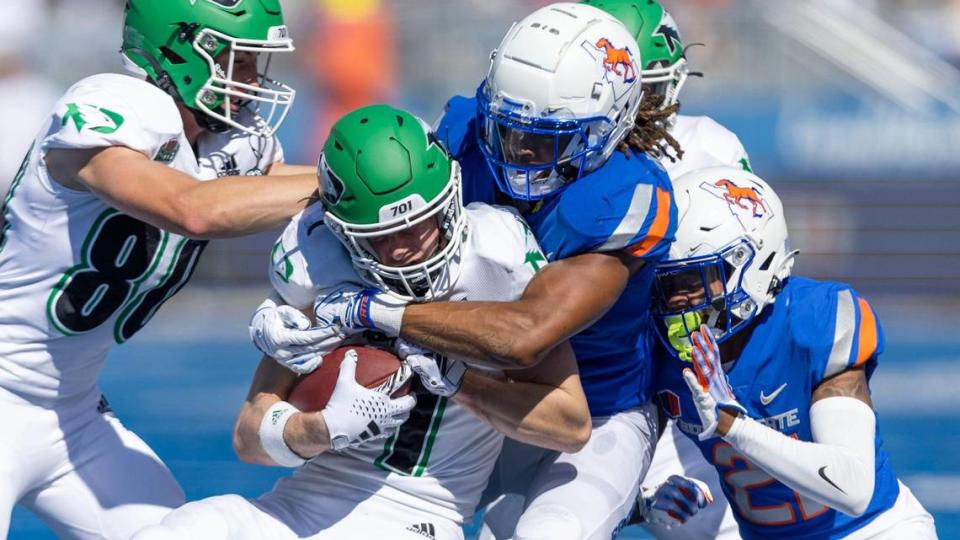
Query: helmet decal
(332, 186)
(739, 198)
(615, 58)
(670, 33)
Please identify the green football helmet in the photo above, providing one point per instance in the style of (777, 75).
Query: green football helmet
(661, 49)
(177, 43)
(382, 171)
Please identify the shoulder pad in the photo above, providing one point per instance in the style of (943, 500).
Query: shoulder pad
(114, 110)
(625, 205)
(837, 326)
(500, 235)
(307, 258)
(456, 127)
(713, 139)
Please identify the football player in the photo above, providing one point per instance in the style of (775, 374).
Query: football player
(689, 143)
(541, 134)
(392, 217)
(104, 222)
(773, 387)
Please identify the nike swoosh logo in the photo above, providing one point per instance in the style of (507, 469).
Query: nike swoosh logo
(829, 481)
(767, 399)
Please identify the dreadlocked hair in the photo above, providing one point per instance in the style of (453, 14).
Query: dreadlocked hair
(649, 133)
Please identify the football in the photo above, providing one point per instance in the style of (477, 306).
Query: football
(374, 367)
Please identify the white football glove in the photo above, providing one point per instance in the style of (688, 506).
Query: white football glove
(355, 309)
(674, 501)
(355, 415)
(439, 374)
(709, 386)
(284, 334)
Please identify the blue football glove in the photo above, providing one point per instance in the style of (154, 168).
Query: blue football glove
(709, 385)
(674, 502)
(355, 309)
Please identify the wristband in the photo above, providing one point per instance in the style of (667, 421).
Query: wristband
(379, 311)
(271, 435)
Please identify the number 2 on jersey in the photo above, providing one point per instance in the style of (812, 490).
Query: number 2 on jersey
(118, 255)
(742, 480)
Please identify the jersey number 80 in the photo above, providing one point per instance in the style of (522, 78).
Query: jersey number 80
(119, 254)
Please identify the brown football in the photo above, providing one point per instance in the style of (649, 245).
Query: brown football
(374, 367)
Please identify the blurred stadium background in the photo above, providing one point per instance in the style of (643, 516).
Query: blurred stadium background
(850, 108)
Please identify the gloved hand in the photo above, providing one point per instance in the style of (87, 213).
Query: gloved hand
(439, 374)
(673, 502)
(284, 334)
(710, 387)
(355, 415)
(355, 309)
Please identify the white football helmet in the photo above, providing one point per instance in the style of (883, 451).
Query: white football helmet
(730, 259)
(562, 90)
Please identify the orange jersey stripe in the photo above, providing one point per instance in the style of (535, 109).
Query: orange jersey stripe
(659, 227)
(868, 332)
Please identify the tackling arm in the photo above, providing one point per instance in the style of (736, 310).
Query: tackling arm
(561, 300)
(837, 469)
(543, 406)
(174, 201)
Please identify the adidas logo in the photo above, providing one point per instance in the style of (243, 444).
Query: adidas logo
(426, 530)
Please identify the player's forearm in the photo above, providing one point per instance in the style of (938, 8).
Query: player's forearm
(304, 433)
(176, 202)
(246, 432)
(287, 169)
(837, 470)
(241, 205)
(537, 414)
(497, 335)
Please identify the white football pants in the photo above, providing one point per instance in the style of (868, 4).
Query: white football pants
(587, 495)
(289, 513)
(79, 470)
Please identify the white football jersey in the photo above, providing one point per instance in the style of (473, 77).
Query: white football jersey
(705, 143)
(442, 456)
(76, 275)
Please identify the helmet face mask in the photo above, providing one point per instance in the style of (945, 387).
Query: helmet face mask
(190, 50)
(369, 202)
(532, 158)
(666, 81)
(270, 100)
(554, 105)
(706, 290)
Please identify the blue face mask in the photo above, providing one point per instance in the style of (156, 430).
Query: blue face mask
(536, 157)
(702, 290)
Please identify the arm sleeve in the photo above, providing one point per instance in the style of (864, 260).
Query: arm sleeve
(837, 469)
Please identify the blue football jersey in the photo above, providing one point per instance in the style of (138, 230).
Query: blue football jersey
(814, 330)
(626, 206)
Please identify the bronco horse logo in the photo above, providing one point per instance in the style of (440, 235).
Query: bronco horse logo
(617, 57)
(736, 195)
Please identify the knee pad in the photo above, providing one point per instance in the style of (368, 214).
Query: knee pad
(549, 522)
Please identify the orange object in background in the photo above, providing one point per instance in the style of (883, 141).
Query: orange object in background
(351, 57)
